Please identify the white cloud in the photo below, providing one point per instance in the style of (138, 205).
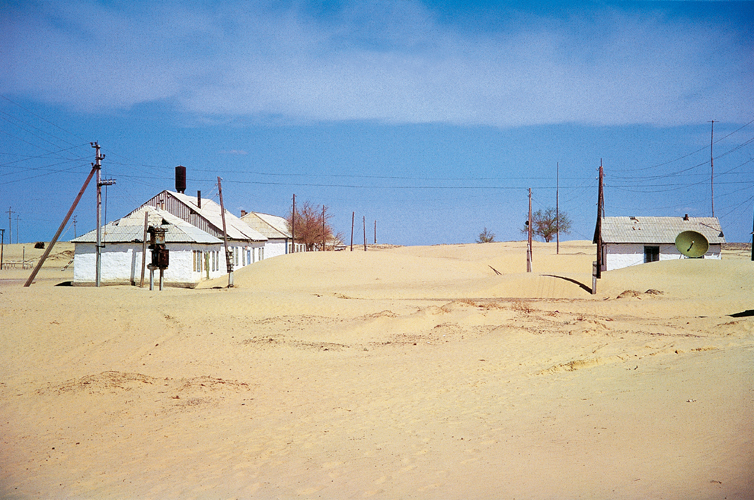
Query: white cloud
(385, 61)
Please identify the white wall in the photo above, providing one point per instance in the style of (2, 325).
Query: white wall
(618, 256)
(121, 264)
(274, 248)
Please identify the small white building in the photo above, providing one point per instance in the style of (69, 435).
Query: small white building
(628, 241)
(194, 254)
(279, 238)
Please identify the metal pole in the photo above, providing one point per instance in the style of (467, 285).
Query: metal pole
(364, 225)
(323, 227)
(353, 214)
(712, 167)
(375, 232)
(2, 247)
(60, 230)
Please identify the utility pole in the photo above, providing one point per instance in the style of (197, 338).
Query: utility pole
(364, 225)
(323, 228)
(74, 227)
(600, 215)
(353, 214)
(10, 225)
(712, 167)
(98, 168)
(2, 247)
(18, 216)
(228, 259)
(528, 246)
(557, 209)
(293, 226)
(60, 229)
(375, 232)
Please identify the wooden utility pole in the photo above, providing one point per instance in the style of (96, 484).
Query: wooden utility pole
(364, 225)
(557, 209)
(353, 214)
(10, 225)
(60, 230)
(600, 215)
(228, 259)
(293, 226)
(712, 167)
(375, 232)
(528, 246)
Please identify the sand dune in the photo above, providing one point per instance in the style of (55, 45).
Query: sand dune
(415, 372)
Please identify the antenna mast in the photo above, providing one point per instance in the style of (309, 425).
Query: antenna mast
(712, 166)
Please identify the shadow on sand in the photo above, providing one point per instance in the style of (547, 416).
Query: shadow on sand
(583, 286)
(743, 314)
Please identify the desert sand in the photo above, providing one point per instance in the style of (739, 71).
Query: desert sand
(408, 372)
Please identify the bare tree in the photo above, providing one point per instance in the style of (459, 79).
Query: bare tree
(545, 225)
(486, 237)
(311, 220)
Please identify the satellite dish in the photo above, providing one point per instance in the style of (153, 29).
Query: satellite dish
(691, 244)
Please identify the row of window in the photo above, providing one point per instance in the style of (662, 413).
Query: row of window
(211, 260)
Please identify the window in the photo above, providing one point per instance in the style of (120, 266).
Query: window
(197, 261)
(651, 254)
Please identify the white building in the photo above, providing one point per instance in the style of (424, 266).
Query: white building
(628, 241)
(194, 254)
(246, 244)
(279, 239)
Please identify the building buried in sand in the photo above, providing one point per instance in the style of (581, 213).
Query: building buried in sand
(123, 244)
(194, 237)
(628, 241)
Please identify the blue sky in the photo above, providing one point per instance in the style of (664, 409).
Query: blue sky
(432, 118)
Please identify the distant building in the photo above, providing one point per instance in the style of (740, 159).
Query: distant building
(194, 254)
(275, 229)
(628, 241)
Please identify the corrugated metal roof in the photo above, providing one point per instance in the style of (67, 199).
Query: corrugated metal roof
(658, 229)
(236, 228)
(270, 226)
(131, 229)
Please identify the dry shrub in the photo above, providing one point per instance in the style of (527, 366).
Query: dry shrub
(522, 307)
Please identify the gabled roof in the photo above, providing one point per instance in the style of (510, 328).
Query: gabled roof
(130, 229)
(271, 226)
(209, 213)
(658, 229)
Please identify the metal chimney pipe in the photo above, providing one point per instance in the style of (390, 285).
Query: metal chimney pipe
(199, 199)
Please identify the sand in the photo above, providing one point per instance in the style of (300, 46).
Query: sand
(414, 372)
